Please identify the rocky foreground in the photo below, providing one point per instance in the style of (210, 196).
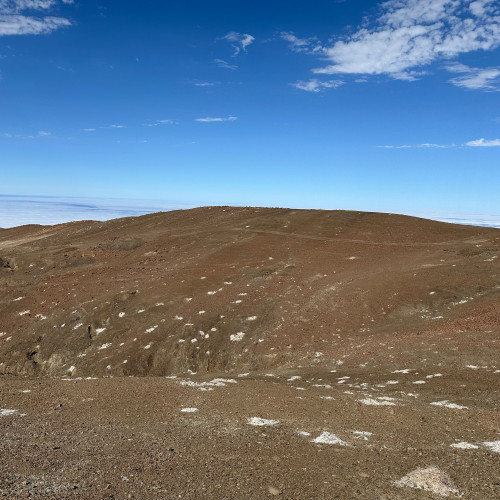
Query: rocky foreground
(250, 353)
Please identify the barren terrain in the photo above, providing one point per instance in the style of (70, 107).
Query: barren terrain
(232, 353)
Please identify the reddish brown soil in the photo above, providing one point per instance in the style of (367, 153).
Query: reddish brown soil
(94, 315)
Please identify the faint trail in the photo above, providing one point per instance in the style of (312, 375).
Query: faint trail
(346, 240)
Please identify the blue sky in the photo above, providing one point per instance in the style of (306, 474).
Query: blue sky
(329, 104)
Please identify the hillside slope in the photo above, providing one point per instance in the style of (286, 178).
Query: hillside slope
(221, 289)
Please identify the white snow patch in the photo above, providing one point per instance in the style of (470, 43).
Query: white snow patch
(189, 410)
(158, 304)
(251, 318)
(78, 325)
(429, 479)
(147, 346)
(303, 433)
(23, 313)
(364, 435)
(100, 330)
(376, 402)
(178, 318)
(447, 404)
(493, 445)
(19, 298)
(217, 381)
(464, 446)
(294, 377)
(328, 438)
(120, 315)
(207, 386)
(237, 337)
(105, 346)
(419, 382)
(261, 422)
(4, 412)
(152, 329)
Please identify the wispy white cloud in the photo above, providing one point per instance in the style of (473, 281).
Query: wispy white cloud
(159, 122)
(89, 129)
(476, 143)
(475, 78)
(41, 133)
(224, 64)
(239, 41)
(211, 120)
(115, 126)
(484, 143)
(310, 45)
(315, 85)
(424, 145)
(14, 21)
(408, 35)
(203, 84)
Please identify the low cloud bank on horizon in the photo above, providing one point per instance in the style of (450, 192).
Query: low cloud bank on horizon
(21, 210)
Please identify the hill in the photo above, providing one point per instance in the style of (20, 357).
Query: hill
(237, 289)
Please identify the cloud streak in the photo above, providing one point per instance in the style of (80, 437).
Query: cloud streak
(212, 120)
(158, 123)
(424, 145)
(476, 143)
(475, 78)
(41, 133)
(13, 20)
(309, 45)
(224, 64)
(484, 143)
(316, 86)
